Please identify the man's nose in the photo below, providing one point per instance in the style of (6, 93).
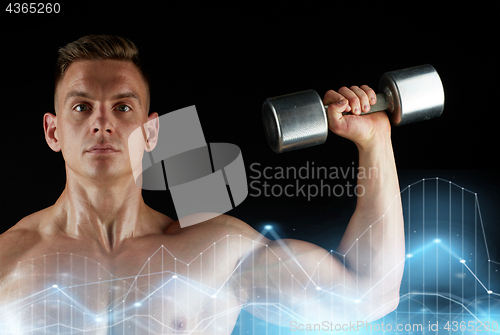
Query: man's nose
(103, 121)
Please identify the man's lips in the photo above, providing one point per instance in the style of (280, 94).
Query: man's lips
(102, 149)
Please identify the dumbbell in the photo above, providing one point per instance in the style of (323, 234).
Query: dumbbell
(299, 120)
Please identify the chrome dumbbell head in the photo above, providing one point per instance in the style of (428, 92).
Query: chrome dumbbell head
(413, 94)
(295, 121)
(299, 120)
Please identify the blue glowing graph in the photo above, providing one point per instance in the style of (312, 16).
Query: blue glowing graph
(451, 282)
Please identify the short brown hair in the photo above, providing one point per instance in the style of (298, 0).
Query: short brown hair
(98, 47)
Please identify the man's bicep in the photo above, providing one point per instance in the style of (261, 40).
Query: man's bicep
(294, 275)
(301, 265)
(292, 266)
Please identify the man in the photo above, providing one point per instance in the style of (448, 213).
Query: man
(101, 261)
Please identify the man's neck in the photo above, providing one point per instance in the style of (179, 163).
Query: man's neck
(107, 213)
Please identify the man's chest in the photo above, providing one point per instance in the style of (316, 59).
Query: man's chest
(151, 290)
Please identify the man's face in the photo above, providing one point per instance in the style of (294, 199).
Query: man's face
(98, 104)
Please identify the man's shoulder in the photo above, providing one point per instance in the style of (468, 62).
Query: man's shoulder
(225, 224)
(214, 229)
(29, 223)
(21, 237)
(225, 228)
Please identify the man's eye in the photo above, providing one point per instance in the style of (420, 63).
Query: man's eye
(123, 108)
(82, 108)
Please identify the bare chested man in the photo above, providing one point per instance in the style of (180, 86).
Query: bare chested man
(100, 261)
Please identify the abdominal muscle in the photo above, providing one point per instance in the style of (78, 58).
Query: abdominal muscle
(66, 293)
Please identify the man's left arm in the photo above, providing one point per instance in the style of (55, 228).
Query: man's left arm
(291, 280)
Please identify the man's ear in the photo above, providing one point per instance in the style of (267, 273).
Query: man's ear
(50, 128)
(151, 128)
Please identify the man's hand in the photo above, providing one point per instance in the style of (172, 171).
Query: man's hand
(362, 130)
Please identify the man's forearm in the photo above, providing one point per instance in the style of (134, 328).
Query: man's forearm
(373, 243)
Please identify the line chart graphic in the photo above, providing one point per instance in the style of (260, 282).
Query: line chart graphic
(451, 284)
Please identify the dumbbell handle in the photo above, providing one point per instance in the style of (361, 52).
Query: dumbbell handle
(380, 105)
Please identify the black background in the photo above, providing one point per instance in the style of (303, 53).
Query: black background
(226, 59)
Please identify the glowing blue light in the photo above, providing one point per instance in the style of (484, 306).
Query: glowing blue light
(137, 304)
(268, 227)
(462, 261)
(409, 255)
(437, 240)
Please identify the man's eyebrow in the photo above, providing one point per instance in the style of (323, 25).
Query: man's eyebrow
(124, 95)
(75, 93)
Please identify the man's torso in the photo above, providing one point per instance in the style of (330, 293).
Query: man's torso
(159, 284)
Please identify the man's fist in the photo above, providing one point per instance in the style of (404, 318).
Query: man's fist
(361, 129)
